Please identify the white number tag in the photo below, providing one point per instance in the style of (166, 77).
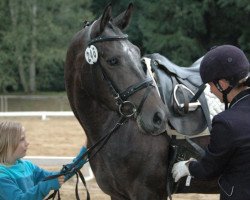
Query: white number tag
(91, 54)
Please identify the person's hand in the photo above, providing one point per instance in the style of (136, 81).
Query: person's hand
(75, 165)
(61, 180)
(180, 169)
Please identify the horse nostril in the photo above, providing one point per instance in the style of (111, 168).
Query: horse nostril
(157, 119)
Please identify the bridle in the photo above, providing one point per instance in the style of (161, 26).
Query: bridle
(125, 107)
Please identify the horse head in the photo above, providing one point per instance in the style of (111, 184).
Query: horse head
(108, 70)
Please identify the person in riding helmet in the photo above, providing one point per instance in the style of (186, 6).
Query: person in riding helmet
(227, 157)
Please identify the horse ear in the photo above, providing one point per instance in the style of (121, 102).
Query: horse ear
(122, 20)
(100, 24)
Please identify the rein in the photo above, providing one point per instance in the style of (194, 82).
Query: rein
(64, 171)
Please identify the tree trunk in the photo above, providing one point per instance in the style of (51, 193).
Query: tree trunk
(33, 53)
(17, 51)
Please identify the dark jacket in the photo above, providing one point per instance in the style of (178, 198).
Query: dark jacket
(228, 154)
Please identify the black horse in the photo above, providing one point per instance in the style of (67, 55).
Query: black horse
(117, 104)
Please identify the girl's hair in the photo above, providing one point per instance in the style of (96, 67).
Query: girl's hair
(10, 134)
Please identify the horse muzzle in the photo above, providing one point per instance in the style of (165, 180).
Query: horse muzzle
(153, 121)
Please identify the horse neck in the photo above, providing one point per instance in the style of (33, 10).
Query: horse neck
(95, 118)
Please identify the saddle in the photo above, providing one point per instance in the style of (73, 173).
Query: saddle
(178, 87)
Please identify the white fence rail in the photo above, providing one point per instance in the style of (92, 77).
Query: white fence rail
(42, 114)
(59, 161)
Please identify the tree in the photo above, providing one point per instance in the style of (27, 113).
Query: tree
(59, 21)
(184, 30)
(34, 35)
(6, 73)
(35, 40)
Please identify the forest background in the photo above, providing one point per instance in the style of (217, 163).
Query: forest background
(35, 34)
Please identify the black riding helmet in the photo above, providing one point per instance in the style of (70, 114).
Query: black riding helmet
(224, 62)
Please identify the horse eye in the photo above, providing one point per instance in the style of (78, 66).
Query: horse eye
(112, 61)
(144, 67)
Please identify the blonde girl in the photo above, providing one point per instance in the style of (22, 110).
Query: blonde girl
(20, 179)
